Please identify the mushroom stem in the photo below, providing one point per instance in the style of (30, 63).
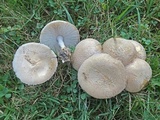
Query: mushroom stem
(60, 42)
(65, 53)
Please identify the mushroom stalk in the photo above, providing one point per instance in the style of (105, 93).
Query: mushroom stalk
(65, 53)
(60, 42)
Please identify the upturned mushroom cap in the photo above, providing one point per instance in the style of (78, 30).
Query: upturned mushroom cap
(84, 50)
(102, 76)
(34, 63)
(141, 53)
(139, 73)
(59, 29)
(120, 49)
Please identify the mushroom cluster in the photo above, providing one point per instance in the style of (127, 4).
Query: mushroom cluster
(105, 71)
(35, 63)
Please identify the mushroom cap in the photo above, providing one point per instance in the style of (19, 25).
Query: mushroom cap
(120, 49)
(58, 28)
(141, 53)
(34, 63)
(102, 76)
(139, 73)
(84, 50)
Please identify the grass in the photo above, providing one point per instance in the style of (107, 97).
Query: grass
(61, 98)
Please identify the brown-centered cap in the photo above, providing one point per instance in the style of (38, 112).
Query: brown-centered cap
(120, 49)
(84, 50)
(102, 76)
(34, 63)
(139, 73)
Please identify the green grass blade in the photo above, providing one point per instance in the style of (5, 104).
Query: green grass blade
(68, 15)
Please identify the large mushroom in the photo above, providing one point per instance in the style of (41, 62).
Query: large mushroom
(34, 63)
(60, 36)
(85, 49)
(120, 49)
(139, 73)
(102, 76)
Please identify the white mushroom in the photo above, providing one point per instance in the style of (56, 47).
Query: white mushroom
(34, 63)
(60, 36)
(139, 73)
(120, 49)
(102, 76)
(84, 50)
(141, 53)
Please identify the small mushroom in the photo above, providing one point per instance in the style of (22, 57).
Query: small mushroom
(102, 76)
(141, 53)
(120, 49)
(60, 36)
(139, 73)
(34, 63)
(84, 50)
